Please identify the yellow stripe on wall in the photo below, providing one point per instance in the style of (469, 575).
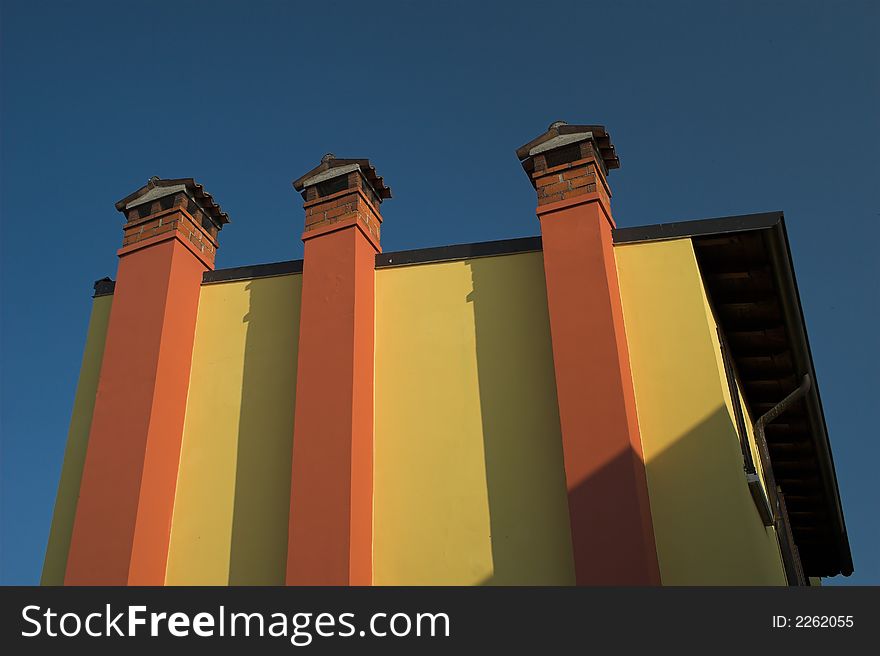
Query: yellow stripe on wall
(707, 529)
(233, 490)
(469, 479)
(77, 441)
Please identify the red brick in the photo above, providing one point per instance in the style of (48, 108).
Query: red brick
(550, 199)
(556, 188)
(547, 180)
(337, 211)
(584, 181)
(575, 173)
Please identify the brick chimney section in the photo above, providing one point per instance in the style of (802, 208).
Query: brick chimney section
(343, 191)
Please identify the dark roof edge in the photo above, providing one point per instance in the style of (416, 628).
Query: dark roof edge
(660, 231)
(253, 271)
(797, 328)
(657, 232)
(696, 228)
(106, 286)
(458, 252)
(386, 260)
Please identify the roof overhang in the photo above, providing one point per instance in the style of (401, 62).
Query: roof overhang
(749, 277)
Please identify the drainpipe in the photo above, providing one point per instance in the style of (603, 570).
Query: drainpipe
(772, 505)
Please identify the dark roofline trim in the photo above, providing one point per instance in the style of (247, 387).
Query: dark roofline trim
(253, 271)
(383, 261)
(796, 325)
(458, 252)
(386, 260)
(660, 231)
(696, 228)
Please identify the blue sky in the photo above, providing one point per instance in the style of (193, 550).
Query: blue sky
(716, 108)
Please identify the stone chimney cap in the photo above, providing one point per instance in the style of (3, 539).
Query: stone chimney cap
(561, 134)
(157, 187)
(331, 167)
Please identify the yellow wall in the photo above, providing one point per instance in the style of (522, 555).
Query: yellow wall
(77, 441)
(469, 479)
(233, 491)
(707, 528)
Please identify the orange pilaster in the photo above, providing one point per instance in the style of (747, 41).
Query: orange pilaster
(611, 527)
(123, 518)
(331, 502)
(331, 498)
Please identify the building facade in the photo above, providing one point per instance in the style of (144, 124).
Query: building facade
(592, 406)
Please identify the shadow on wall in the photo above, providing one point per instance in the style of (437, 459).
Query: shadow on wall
(707, 528)
(525, 481)
(258, 552)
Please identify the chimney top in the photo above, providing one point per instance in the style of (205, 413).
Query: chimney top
(561, 134)
(157, 188)
(332, 167)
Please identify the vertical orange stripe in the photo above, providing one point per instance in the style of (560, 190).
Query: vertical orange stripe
(330, 533)
(162, 457)
(611, 527)
(122, 524)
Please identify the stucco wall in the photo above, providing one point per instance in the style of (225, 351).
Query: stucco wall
(233, 490)
(469, 482)
(707, 528)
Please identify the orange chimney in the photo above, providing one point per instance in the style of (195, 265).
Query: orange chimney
(331, 500)
(611, 527)
(123, 518)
